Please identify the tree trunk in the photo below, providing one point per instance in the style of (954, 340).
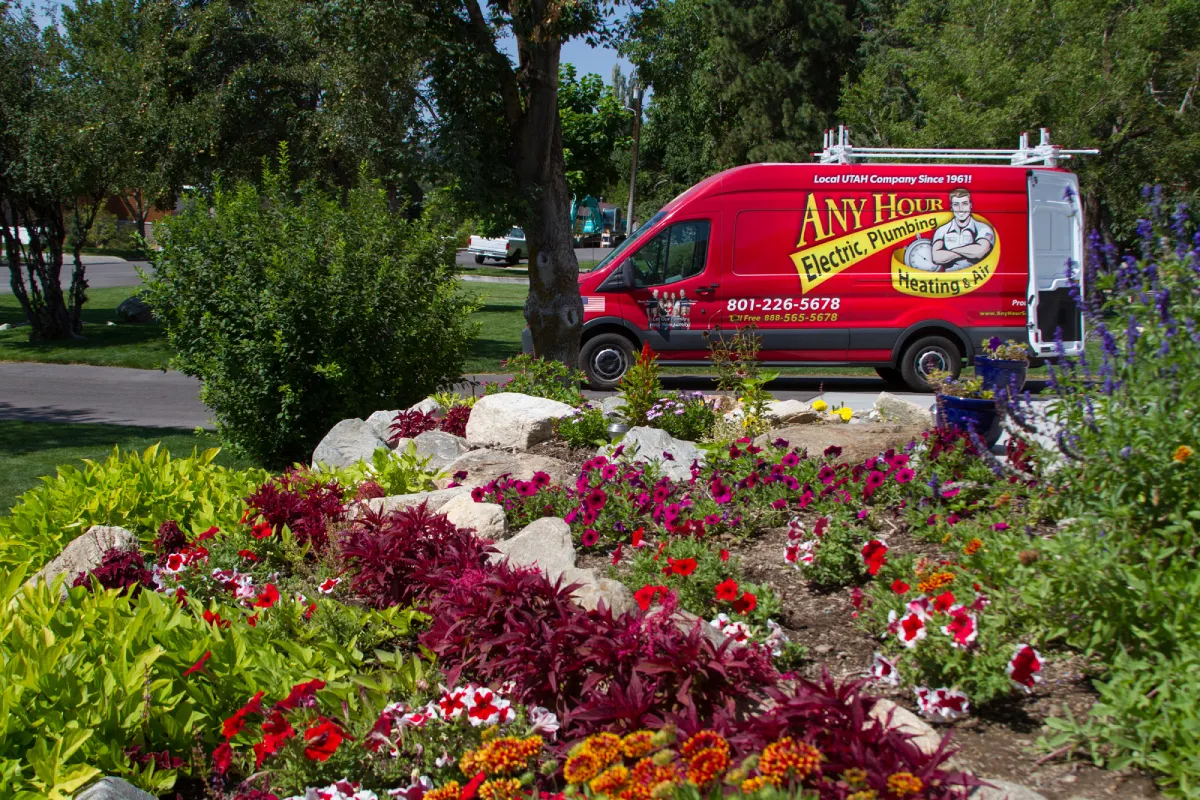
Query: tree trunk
(553, 308)
(35, 270)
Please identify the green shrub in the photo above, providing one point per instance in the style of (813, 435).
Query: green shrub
(396, 472)
(552, 380)
(83, 679)
(136, 491)
(684, 415)
(640, 387)
(298, 310)
(587, 427)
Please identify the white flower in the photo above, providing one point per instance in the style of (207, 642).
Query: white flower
(543, 721)
(946, 704)
(884, 671)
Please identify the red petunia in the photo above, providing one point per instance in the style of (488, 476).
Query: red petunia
(727, 589)
(637, 537)
(248, 555)
(276, 732)
(899, 586)
(684, 566)
(262, 530)
(724, 554)
(222, 758)
(1024, 668)
(268, 597)
(645, 596)
(252, 620)
(745, 604)
(199, 665)
(943, 602)
(472, 788)
(208, 534)
(213, 618)
(302, 694)
(874, 555)
(233, 725)
(616, 556)
(962, 628)
(329, 585)
(323, 739)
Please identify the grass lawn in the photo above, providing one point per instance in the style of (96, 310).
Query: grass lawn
(120, 345)
(127, 253)
(501, 321)
(29, 450)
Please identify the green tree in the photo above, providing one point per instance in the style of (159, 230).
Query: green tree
(736, 82)
(594, 124)
(1117, 76)
(57, 165)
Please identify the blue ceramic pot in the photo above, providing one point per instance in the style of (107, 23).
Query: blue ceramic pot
(997, 374)
(967, 413)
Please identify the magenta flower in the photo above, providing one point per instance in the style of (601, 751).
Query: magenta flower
(589, 538)
(790, 460)
(721, 493)
(526, 489)
(875, 479)
(904, 475)
(595, 499)
(540, 479)
(610, 471)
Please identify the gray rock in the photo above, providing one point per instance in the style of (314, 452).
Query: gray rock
(347, 443)
(513, 421)
(483, 466)
(858, 442)
(545, 543)
(612, 405)
(792, 412)
(426, 406)
(440, 448)
(649, 444)
(1003, 790)
(113, 789)
(891, 408)
(135, 310)
(591, 590)
(85, 553)
(380, 423)
(926, 739)
(436, 500)
(486, 519)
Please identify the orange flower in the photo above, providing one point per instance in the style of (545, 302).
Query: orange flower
(752, 785)
(450, 791)
(704, 740)
(935, 581)
(1182, 453)
(903, 784)
(611, 781)
(972, 547)
(865, 794)
(638, 744)
(500, 789)
(605, 747)
(707, 765)
(503, 756)
(788, 760)
(581, 767)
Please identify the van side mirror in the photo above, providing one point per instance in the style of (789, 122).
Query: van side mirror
(620, 279)
(627, 273)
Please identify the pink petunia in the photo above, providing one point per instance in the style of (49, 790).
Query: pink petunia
(962, 629)
(884, 671)
(1025, 667)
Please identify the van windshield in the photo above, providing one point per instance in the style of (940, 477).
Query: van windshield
(629, 242)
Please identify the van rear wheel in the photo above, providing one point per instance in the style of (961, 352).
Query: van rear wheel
(605, 359)
(927, 355)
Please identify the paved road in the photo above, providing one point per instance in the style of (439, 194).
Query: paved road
(102, 272)
(597, 254)
(78, 393)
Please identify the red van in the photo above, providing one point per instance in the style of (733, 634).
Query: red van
(904, 268)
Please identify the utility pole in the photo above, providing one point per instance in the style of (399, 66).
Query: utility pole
(636, 93)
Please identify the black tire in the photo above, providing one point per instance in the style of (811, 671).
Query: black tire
(605, 359)
(893, 377)
(925, 355)
(514, 259)
(478, 259)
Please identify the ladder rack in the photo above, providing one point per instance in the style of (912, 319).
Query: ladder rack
(837, 150)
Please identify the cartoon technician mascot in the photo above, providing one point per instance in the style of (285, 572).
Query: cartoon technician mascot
(963, 241)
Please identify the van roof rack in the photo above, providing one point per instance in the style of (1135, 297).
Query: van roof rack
(837, 150)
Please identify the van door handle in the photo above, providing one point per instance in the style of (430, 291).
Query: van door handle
(706, 290)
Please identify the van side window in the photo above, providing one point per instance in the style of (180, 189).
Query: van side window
(674, 254)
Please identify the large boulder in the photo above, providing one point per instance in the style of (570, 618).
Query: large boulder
(435, 500)
(483, 466)
(675, 456)
(792, 412)
(545, 543)
(890, 408)
(613, 406)
(486, 519)
(440, 448)
(426, 406)
(1003, 790)
(591, 590)
(135, 310)
(513, 421)
(113, 789)
(381, 423)
(347, 443)
(858, 442)
(85, 553)
(900, 719)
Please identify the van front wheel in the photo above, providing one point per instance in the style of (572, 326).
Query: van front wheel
(893, 377)
(605, 360)
(927, 355)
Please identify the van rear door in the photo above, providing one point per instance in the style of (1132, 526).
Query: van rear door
(1055, 246)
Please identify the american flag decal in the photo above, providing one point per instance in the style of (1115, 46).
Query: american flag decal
(593, 305)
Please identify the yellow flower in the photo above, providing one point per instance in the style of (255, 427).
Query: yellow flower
(845, 413)
(855, 776)
(1182, 453)
(903, 784)
(752, 785)
(819, 405)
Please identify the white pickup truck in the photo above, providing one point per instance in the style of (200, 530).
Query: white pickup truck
(509, 249)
